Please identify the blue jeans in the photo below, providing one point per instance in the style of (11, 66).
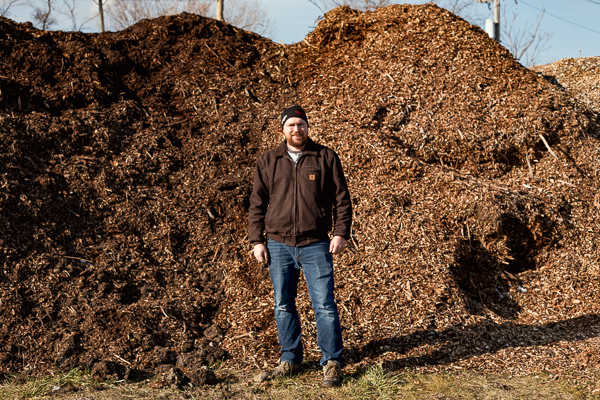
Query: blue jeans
(317, 266)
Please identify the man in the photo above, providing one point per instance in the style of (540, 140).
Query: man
(299, 195)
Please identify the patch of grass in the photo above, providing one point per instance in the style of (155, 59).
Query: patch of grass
(361, 384)
(20, 387)
(376, 382)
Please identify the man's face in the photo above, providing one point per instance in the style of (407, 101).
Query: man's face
(295, 131)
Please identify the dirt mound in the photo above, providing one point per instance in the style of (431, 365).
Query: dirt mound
(126, 164)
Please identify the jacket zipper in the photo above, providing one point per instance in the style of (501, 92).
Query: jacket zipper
(296, 204)
(295, 230)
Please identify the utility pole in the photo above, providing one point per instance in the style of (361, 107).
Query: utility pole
(101, 13)
(220, 10)
(492, 26)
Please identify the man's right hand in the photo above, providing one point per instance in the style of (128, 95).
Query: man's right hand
(261, 253)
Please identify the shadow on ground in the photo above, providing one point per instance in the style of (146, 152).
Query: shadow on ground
(462, 342)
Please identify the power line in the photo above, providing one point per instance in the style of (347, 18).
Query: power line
(562, 19)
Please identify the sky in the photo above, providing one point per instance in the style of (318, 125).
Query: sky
(572, 26)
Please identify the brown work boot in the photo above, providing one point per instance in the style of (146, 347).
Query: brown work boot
(332, 374)
(285, 369)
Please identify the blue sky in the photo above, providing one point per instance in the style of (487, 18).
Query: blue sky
(573, 24)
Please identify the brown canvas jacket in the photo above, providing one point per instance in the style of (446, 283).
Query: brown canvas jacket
(299, 204)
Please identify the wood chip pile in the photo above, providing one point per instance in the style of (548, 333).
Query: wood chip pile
(126, 164)
(579, 76)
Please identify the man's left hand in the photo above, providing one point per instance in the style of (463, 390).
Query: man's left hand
(337, 245)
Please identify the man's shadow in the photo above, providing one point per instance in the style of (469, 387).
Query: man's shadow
(461, 342)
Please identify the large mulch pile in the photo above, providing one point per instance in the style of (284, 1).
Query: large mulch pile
(126, 164)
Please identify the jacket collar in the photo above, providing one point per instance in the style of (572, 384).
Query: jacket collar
(310, 148)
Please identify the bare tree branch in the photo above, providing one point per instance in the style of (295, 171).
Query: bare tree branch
(245, 14)
(364, 5)
(70, 13)
(124, 13)
(69, 10)
(5, 6)
(43, 15)
(249, 16)
(464, 8)
(525, 42)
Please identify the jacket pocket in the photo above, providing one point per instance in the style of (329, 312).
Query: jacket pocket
(310, 174)
(309, 180)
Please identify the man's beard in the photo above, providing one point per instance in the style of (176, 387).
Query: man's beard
(297, 143)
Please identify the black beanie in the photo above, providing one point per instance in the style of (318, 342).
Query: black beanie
(291, 112)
